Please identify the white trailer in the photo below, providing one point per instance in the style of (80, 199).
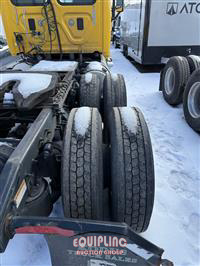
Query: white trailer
(154, 30)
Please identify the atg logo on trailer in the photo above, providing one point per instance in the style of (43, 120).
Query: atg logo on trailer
(174, 8)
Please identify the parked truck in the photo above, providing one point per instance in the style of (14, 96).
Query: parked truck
(153, 31)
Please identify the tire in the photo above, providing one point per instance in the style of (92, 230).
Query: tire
(90, 91)
(114, 92)
(194, 62)
(174, 78)
(82, 169)
(191, 101)
(114, 95)
(120, 90)
(117, 44)
(125, 50)
(132, 169)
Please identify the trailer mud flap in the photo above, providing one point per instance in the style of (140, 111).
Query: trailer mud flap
(83, 242)
(63, 252)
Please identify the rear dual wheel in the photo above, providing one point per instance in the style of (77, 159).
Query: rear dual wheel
(132, 172)
(194, 62)
(81, 173)
(174, 78)
(132, 168)
(114, 95)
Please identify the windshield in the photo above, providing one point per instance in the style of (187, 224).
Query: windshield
(76, 2)
(29, 2)
(41, 2)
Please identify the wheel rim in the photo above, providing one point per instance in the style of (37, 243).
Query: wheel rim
(169, 80)
(193, 100)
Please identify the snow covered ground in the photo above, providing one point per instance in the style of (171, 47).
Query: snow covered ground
(175, 224)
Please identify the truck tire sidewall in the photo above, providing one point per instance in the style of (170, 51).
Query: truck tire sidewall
(120, 91)
(194, 62)
(193, 122)
(94, 165)
(90, 92)
(176, 95)
(120, 172)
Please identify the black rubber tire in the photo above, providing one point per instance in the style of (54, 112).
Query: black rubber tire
(132, 169)
(41, 206)
(90, 92)
(125, 50)
(181, 70)
(114, 95)
(117, 45)
(192, 119)
(108, 94)
(194, 62)
(120, 91)
(82, 168)
(114, 92)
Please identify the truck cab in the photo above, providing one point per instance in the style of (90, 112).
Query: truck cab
(57, 26)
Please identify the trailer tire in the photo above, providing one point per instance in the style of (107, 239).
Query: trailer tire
(90, 91)
(117, 45)
(125, 50)
(194, 62)
(174, 78)
(191, 101)
(82, 169)
(132, 168)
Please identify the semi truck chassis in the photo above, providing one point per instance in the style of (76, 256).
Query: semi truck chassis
(30, 167)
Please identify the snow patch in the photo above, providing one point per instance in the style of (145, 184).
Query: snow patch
(22, 67)
(129, 118)
(6, 144)
(82, 120)
(140, 251)
(4, 48)
(8, 98)
(98, 262)
(29, 82)
(95, 66)
(57, 66)
(115, 77)
(88, 77)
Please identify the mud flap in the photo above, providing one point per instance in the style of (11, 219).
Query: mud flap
(63, 253)
(91, 243)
